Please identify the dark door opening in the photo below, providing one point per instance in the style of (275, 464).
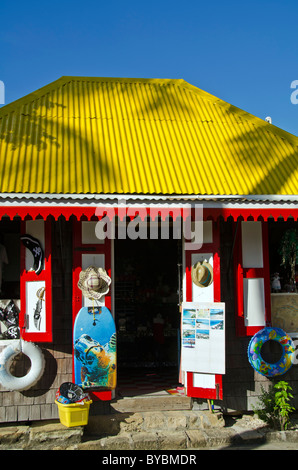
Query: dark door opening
(147, 313)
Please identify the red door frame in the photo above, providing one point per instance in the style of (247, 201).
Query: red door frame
(214, 248)
(78, 250)
(208, 393)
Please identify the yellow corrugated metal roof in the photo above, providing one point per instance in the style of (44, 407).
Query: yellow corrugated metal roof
(144, 136)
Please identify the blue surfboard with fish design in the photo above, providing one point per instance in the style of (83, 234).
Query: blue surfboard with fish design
(94, 342)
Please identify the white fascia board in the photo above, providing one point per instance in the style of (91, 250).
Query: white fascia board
(212, 201)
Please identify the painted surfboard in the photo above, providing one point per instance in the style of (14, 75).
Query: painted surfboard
(94, 341)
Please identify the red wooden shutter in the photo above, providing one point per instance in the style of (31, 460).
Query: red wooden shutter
(31, 283)
(252, 268)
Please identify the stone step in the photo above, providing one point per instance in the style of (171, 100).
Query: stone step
(39, 435)
(152, 421)
(167, 430)
(155, 430)
(163, 440)
(163, 403)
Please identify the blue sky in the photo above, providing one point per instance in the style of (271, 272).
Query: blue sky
(245, 53)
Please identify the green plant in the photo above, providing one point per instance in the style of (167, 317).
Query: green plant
(274, 405)
(282, 406)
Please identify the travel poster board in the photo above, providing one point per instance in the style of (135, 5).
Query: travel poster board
(203, 337)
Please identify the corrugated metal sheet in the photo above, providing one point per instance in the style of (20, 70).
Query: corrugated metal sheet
(109, 135)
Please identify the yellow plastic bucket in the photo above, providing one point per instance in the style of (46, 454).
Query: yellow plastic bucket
(74, 414)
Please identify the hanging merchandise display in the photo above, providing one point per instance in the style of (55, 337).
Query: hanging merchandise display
(9, 315)
(38, 308)
(254, 352)
(34, 246)
(95, 348)
(36, 298)
(10, 382)
(36, 314)
(94, 334)
(202, 274)
(94, 282)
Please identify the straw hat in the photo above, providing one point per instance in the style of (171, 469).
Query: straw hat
(202, 274)
(94, 282)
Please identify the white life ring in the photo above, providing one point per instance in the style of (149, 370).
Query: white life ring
(10, 382)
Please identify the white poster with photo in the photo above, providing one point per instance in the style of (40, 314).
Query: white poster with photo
(203, 337)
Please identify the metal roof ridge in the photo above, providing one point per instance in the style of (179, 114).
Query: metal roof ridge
(293, 139)
(31, 96)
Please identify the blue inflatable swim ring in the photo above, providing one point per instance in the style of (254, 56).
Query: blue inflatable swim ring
(254, 352)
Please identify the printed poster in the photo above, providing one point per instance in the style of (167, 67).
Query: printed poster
(203, 337)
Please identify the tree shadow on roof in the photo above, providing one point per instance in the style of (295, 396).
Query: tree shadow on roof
(88, 136)
(30, 125)
(40, 141)
(267, 161)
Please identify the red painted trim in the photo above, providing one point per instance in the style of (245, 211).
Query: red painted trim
(216, 262)
(262, 213)
(207, 393)
(89, 212)
(45, 275)
(100, 395)
(238, 279)
(267, 283)
(188, 276)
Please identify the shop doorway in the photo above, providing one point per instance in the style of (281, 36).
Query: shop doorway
(147, 314)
